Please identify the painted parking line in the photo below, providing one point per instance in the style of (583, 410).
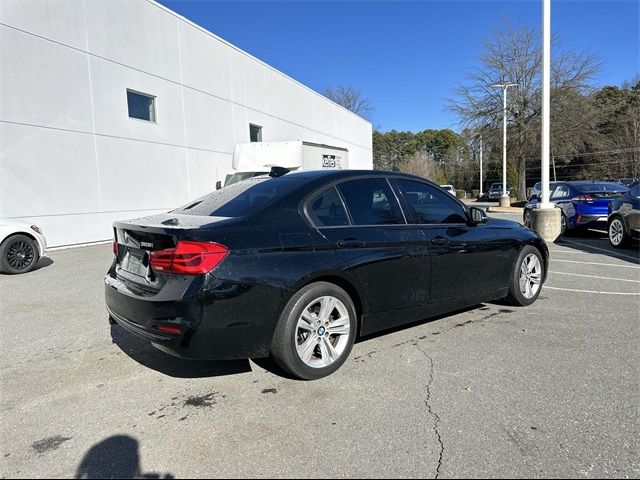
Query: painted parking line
(596, 263)
(590, 291)
(595, 276)
(571, 252)
(610, 252)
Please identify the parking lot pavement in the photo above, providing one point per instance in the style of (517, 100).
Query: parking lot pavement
(548, 390)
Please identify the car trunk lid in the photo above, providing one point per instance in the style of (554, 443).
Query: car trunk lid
(136, 239)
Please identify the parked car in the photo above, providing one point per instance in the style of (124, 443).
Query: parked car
(584, 203)
(495, 191)
(624, 217)
(449, 188)
(297, 265)
(21, 246)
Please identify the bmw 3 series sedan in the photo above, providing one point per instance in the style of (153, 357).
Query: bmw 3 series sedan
(297, 265)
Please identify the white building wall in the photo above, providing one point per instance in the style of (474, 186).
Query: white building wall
(71, 159)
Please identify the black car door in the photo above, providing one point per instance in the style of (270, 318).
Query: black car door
(374, 240)
(465, 258)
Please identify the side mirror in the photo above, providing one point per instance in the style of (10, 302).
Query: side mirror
(477, 215)
(218, 185)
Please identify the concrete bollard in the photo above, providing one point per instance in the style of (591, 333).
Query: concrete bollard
(505, 201)
(547, 222)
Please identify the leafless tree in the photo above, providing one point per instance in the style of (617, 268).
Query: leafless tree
(351, 99)
(513, 54)
(424, 165)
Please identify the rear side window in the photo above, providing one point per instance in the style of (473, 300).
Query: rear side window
(326, 210)
(561, 191)
(371, 202)
(240, 198)
(431, 205)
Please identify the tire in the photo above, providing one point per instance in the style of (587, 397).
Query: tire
(18, 254)
(305, 348)
(526, 271)
(617, 235)
(526, 218)
(564, 229)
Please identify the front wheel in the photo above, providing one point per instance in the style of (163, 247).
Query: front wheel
(526, 279)
(316, 331)
(18, 254)
(617, 236)
(526, 218)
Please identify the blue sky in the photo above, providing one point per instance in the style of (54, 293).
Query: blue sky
(406, 57)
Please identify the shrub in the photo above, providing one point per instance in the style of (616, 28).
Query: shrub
(461, 193)
(475, 193)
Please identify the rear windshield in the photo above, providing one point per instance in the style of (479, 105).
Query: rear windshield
(604, 188)
(240, 176)
(241, 198)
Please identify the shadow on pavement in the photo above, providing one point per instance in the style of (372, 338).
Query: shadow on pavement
(145, 354)
(44, 262)
(372, 336)
(597, 243)
(115, 457)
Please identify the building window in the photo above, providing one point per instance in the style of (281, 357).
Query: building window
(141, 106)
(255, 133)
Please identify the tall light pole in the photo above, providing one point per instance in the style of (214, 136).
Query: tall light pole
(546, 219)
(504, 200)
(481, 166)
(479, 135)
(546, 83)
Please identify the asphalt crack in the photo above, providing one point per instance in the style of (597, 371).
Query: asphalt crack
(436, 418)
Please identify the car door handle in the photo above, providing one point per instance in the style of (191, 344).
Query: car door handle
(351, 243)
(439, 241)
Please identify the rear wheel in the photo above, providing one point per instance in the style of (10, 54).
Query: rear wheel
(526, 279)
(526, 218)
(617, 235)
(563, 224)
(316, 331)
(18, 254)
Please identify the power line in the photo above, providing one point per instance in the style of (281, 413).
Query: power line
(591, 154)
(572, 165)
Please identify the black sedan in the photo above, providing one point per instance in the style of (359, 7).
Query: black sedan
(624, 217)
(297, 265)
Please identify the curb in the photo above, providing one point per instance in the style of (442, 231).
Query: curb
(505, 209)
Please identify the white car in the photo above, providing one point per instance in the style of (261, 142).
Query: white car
(450, 189)
(21, 246)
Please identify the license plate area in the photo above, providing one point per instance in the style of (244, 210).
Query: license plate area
(136, 261)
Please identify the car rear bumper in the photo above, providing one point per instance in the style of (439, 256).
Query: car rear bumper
(584, 221)
(222, 321)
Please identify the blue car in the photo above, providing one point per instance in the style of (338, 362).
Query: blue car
(584, 204)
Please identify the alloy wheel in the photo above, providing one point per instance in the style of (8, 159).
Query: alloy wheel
(322, 332)
(20, 255)
(616, 232)
(530, 276)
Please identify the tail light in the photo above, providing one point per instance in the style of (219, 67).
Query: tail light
(173, 330)
(584, 197)
(188, 258)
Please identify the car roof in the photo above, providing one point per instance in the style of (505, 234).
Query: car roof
(340, 174)
(586, 182)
